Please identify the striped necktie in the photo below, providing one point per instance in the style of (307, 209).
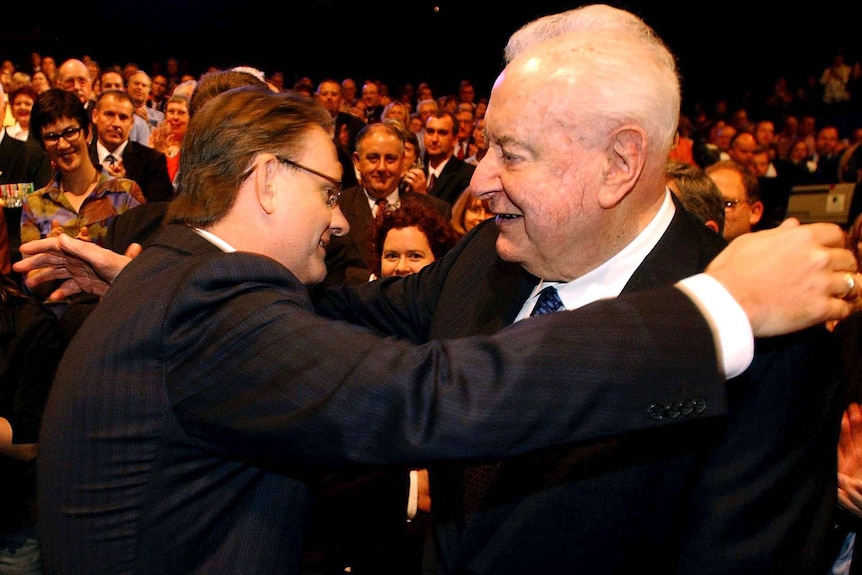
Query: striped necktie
(549, 301)
(379, 206)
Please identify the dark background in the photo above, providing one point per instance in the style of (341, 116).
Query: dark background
(725, 48)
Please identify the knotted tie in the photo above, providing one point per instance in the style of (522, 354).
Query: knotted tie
(431, 179)
(380, 205)
(478, 478)
(111, 159)
(549, 301)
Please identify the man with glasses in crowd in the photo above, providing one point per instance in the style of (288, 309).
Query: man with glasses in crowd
(74, 76)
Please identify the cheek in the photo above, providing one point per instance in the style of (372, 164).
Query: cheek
(387, 269)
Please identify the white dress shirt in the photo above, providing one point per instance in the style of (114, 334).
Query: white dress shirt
(725, 315)
(102, 152)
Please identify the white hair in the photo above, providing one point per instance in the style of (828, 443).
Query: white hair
(253, 71)
(622, 63)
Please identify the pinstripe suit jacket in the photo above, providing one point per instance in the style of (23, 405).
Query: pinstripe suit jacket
(182, 426)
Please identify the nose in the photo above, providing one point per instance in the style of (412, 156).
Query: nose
(486, 177)
(402, 269)
(339, 225)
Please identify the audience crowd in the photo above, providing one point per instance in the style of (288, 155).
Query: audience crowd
(408, 154)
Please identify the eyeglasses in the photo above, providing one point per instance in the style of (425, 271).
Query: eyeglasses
(72, 82)
(332, 194)
(731, 204)
(69, 134)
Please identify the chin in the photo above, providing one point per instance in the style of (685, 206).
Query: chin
(506, 250)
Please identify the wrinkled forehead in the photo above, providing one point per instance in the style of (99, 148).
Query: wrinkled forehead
(538, 87)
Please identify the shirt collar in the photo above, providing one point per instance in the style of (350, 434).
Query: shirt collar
(215, 240)
(392, 198)
(103, 152)
(609, 279)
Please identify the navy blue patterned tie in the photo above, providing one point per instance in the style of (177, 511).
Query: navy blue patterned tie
(549, 302)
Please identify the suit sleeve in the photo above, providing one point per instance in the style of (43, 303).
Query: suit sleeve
(291, 385)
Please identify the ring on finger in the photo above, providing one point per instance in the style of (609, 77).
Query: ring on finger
(851, 283)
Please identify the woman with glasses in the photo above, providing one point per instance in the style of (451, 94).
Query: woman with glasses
(80, 200)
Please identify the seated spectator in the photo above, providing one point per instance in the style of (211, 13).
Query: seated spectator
(40, 82)
(478, 146)
(409, 237)
(697, 193)
(114, 150)
(797, 168)
(168, 136)
(81, 200)
(469, 211)
(396, 110)
(740, 192)
(413, 170)
(21, 101)
(827, 155)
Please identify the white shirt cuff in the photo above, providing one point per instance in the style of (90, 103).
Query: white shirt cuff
(729, 323)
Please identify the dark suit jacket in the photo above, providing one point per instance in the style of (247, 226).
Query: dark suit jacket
(198, 412)
(348, 257)
(21, 162)
(749, 493)
(148, 167)
(453, 180)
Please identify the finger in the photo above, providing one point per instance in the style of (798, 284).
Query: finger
(37, 246)
(42, 276)
(134, 250)
(66, 290)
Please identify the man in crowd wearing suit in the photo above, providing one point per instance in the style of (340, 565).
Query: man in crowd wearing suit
(123, 158)
(196, 471)
(378, 159)
(582, 210)
(447, 175)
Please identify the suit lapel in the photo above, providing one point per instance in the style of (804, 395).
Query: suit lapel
(360, 217)
(686, 247)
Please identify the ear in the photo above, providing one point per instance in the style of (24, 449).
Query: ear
(626, 158)
(264, 185)
(355, 158)
(756, 210)
(711, 224)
